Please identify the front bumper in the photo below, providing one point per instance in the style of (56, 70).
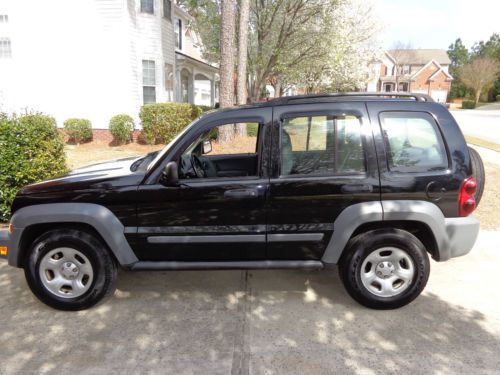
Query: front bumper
(462, 234)
(4, 243)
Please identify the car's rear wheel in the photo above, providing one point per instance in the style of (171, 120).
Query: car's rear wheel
(385, 269)
(478, 173)
(70, 269)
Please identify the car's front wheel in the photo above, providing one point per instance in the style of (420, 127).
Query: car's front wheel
(70, 269)
(385, 269)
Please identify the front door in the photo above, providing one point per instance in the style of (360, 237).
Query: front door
(217, 213)
(323, 161)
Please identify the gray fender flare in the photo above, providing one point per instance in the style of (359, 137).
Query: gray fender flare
(345, 225)
(424, 212)
(98, 217)
(394, 210)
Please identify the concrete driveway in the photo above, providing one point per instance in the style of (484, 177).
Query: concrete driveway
(260, 322)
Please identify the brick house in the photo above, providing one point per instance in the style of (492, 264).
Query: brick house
(413, 70)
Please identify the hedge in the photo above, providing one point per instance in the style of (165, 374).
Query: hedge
(161, 122)
(31, 150)
(468, 104)
(79, 130)
(121, 127)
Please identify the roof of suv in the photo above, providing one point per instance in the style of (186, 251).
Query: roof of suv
(344, 96)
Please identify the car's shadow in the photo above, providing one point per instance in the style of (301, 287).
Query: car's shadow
(274, 321)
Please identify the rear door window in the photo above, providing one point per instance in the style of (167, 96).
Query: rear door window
(413, 142)
(321, 145)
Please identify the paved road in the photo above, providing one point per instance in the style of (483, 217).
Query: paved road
(483, 123)
(260, 322)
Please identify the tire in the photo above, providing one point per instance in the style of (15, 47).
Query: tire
(394, 248)
(478, 173)
(70, 269)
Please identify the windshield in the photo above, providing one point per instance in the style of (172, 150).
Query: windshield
(172, 142)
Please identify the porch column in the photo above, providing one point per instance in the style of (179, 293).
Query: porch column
(191, 87)
(212, 91)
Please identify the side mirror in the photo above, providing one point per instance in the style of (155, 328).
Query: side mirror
(207, 146)
(170, 175)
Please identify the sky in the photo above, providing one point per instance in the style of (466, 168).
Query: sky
(437, 23)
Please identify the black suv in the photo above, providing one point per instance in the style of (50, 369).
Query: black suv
(371, 182)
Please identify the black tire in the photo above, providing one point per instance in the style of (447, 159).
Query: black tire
(103, 267)
(360, 247)
(478, 173)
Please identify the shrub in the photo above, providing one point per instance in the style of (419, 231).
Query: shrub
(498, 98)
(252, 129)
(468, 104)
(161, 122)
(121, 127)
(79, 130)
(31, 150)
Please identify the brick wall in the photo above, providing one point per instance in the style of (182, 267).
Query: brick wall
(438, 83)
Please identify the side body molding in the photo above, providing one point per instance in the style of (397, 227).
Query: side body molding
(97, 216)
(345, 225)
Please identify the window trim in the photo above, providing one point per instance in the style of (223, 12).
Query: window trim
(327, 113)
(178, 37)
(143, 85)
(438, 131)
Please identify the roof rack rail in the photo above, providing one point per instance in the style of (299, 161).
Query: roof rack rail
(384, 95)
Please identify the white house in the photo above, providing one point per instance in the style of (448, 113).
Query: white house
(98, 58)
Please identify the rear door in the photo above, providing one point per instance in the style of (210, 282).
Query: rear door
(414, 157)
(323, 160)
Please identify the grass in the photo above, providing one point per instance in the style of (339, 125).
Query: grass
(94, 152)
(482, 143)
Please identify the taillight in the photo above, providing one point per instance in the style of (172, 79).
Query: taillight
(466, 200)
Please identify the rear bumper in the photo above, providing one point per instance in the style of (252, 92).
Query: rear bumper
(4, 243)
(462, 234)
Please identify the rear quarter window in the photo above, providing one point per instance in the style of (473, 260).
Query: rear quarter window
(413, 142)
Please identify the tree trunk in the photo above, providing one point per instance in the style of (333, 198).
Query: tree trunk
(277, 88)
(478, 94)
(226, 69)
(241, 89)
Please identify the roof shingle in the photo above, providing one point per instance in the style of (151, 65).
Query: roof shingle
(419, 56)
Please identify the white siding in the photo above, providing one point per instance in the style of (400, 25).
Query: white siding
(81, 58)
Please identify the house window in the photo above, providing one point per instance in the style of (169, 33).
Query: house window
(403, 86)
(148, 6)
(4, 18)
(148, 81)
(167, 9)
(388, 87)
(406, 69)
(169, 82)
(5, 48)
(178, 33)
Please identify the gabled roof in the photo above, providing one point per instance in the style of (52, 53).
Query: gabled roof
(439, 69)
(419, 56)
